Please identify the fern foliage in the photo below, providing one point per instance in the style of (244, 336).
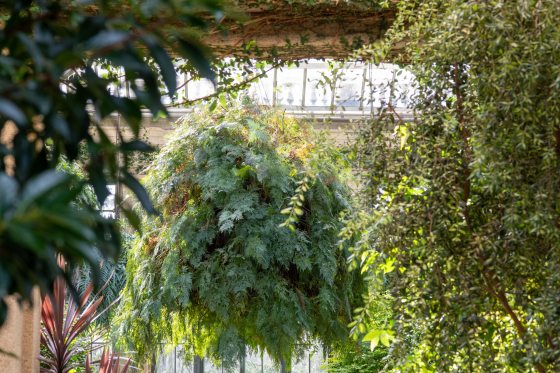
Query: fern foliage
(218, 271)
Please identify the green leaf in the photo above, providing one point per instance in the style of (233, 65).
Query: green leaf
(133, 218)
(137, 188)
(32, 49)
(131, 111)
(9, 188)
(386, 338)
(98, 181)
(223, 100)
(43, 184)
(213, 105)
(194, 53)
(60, 125)
(374, 342)
(136, 145)
(9, 110)
(108, 39)
(164, 62)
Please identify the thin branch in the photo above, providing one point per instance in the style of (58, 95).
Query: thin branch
(233, 87)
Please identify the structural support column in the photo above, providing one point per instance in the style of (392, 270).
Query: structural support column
(20, 337)
(198, 365)
(242, 361)
(283, 367)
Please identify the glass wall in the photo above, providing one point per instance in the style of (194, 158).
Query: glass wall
(324, 86)
(173, 361)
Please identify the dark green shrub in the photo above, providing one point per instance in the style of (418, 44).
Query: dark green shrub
(358, 360)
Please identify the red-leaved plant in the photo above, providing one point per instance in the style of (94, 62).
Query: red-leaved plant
(63, 321)
(109, 363)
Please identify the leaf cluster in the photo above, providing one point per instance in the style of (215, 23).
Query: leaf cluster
(52, 102)
(358, 360)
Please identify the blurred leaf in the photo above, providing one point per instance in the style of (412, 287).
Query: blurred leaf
(136, 145)
(139, 191)
(9, 189)
(11, 111)
(44, 184)
(133, 218)
(108, 39)
(165, 64)
(197, 58)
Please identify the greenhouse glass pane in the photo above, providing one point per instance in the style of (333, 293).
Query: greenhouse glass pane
(377, 86)
(289, 87)
(253, 363)
(199, 88)
(300, 366)
(349, 89)
(317, 94)
(209, 367)
(261, 91)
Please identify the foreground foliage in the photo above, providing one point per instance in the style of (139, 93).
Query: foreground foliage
(52, 102)
(217, 272)
(465, 199)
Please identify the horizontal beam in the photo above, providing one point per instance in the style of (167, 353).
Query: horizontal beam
(284, 29)
(298, 31)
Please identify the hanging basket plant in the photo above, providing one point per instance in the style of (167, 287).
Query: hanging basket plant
(220, 270)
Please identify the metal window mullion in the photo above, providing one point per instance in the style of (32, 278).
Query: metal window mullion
(118, 186)
(198, 364)
(283, 366)
(274, 86)
(333, 95)
(363, 92)
(392, 89)
(186, 76)
(242, 364)
(304, 88)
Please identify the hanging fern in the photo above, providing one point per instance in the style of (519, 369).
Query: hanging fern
(218, 271)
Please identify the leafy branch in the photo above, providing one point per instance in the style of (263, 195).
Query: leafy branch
(296, 208)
